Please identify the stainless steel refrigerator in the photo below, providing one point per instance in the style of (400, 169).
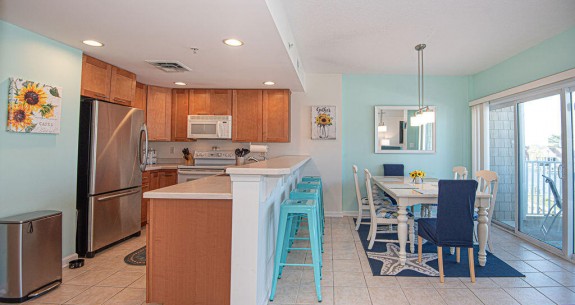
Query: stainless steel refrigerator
(113, 141)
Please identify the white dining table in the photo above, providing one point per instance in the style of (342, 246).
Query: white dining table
(409, 194)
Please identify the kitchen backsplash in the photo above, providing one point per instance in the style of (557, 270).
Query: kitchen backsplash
(165, 155)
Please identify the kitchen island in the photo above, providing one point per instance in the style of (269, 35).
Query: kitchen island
(212, 241)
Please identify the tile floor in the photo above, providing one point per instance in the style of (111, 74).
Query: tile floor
(347, 280)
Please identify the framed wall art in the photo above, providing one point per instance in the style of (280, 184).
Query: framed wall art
(323, 123)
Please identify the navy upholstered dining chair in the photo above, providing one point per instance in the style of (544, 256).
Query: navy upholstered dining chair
(453, 226)
(393, 170)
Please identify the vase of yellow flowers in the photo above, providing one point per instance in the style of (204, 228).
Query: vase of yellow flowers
(417, 176)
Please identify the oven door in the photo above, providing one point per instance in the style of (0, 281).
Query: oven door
(185, 175)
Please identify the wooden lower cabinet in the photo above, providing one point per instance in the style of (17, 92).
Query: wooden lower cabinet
(152, 180)
(189, 247)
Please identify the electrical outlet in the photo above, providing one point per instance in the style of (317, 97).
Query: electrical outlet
(172, 150)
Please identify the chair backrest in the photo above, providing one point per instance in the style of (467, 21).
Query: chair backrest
(455, 205)
(393, 170)
(357, 190)
(553, 190)
(369, 194)
(488, 183)
(459, 173)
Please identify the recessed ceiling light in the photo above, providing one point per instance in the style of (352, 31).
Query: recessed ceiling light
(269, 83)
(180, 83)
(232, 42)
(93, 43)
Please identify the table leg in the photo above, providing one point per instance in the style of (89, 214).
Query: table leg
(482, 234)
(402, 233)
(411, 238)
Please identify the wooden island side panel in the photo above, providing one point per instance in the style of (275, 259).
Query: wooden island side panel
(189, 251)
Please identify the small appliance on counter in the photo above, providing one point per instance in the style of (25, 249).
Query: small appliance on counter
(206, 163)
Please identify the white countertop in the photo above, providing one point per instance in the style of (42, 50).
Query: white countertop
(153, 167)
(284, 165)
(212, 187)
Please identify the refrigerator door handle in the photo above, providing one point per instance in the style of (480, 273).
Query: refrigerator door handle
(118, 195)
(143, 162)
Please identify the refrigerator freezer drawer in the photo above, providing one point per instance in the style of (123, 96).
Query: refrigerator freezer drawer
(113, 216)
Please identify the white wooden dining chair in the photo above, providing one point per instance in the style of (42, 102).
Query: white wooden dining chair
(459, 173)
(362, 204)
(488, 183)
(385, 215)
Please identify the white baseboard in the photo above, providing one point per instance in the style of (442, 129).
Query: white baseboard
(333, 214)
(349, 213)
(68, 259)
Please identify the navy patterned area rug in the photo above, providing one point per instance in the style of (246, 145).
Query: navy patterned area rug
(384, 260)
(137, 258)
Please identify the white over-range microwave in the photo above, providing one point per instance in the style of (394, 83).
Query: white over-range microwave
(209, 126)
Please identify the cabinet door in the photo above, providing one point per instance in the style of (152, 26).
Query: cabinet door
(247, 116)
(140, 98)
(96, 78)
(221, 102)
(168, 177)
(276, 116)
(154, 180)
(180, 114)
(199, 101)
(145, 188)
(159, 113)
(123, 86)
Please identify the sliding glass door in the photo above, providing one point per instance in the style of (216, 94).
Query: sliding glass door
(531, 148)
(539, 156)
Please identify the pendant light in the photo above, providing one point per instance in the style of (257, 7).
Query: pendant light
(381, 126)
(424, 114)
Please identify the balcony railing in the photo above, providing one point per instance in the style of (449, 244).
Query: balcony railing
(538, 193)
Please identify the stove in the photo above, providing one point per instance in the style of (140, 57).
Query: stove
(207, 163)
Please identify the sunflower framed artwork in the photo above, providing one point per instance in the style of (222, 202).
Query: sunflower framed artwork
(323, 123)
(33, 107)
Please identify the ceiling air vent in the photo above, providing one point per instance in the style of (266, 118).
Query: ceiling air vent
(169, 65)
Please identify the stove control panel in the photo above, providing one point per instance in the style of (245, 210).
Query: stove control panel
(215, 154)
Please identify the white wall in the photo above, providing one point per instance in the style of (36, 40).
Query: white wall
(321, 89)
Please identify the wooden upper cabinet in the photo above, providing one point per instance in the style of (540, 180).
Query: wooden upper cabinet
(140, 97)
(123, 86)
(221, 102)
(180, 114)
(199, 102)
(96, 78)
(247, 109)
(210, 102)
(276, 116)
(159, 113)
(105, 82)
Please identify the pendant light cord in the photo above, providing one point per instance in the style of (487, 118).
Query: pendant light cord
(418, 81)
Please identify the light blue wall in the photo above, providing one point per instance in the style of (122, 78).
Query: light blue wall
(38, 172)
(552, 56)
(362, 92)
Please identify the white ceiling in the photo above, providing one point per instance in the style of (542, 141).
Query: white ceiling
(136, 30)
(332, 36)
(463, 36)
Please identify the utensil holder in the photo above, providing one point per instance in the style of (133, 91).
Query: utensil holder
(240, 160)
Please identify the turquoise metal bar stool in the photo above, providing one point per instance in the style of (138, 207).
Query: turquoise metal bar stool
(310, 194)
(315, 185)
(288, 210)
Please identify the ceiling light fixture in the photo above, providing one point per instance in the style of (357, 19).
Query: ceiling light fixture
(269, 83)
(232, 42)
(381, 126)
(424, 114)
(180, 83)
(93, 43)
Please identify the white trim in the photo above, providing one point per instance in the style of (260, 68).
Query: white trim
(561, 76)
(334, 214)
(66, 260)
(349, 213)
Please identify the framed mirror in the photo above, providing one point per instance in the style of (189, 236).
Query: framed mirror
(395, 134)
